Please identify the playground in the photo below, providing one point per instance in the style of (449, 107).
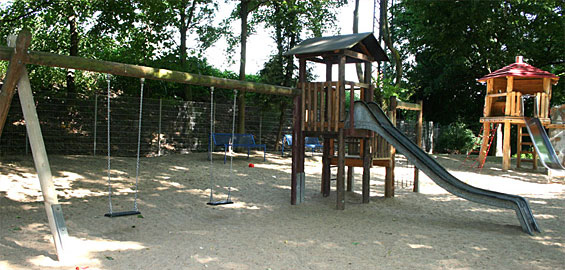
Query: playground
(261, 230)
(244, 204)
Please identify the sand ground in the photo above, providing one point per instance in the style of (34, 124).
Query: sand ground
(261, 230)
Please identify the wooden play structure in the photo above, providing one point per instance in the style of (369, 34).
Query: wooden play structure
(506, 89)
(321, 110)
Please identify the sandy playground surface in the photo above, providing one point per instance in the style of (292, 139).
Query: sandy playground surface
(261, 230)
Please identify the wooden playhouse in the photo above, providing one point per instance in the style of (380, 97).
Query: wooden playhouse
(506, 89)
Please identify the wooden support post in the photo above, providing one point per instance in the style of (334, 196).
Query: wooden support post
(13, 74)
(340, 183)
(42, 165)
(419, 127)
(18, 75)
(506, 147)
(327, 152)
(509, 89)
(340, 117)
(326, 170)
(367, 159)
(366, 143)
(298, 177)
(389, 176)
(341, 91)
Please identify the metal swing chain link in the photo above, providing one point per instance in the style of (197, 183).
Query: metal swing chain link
(108, 143)
(232, 143)
(211, 144)
(138, 145)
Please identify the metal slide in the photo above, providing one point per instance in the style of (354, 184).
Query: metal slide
(543, 146)
(370, 116)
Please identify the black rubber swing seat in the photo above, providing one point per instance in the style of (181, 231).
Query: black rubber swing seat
(122, 214)
(220, 202)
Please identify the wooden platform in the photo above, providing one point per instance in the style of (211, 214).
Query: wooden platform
(355, 161)
(511, 119)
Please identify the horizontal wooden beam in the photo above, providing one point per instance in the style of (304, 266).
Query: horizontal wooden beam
(316, 59)
(496, 95)
(120, 69)
(356, 55)
(401, 105)
(358, 162)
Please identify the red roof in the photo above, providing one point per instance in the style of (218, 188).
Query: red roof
(520, 69)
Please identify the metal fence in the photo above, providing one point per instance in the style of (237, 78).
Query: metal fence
(79, 126)
(430, 133)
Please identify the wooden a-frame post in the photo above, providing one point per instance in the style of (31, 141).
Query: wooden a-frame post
(17, 73)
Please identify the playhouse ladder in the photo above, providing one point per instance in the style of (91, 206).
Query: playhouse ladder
(528, 144)
(476, 147)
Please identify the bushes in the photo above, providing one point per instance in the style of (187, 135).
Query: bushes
(456, 139)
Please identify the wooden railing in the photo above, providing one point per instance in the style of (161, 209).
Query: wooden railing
(323, 104)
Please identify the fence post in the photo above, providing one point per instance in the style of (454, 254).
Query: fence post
(159, 134)
(95, 122)
(260, 127)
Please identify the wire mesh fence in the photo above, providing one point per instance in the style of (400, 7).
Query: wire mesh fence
(73, 126)
(80, 126)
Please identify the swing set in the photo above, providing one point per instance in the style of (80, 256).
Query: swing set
(18, 55)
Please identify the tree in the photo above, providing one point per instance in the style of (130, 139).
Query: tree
(453, 43)
(290, 22)
(192, 17)
(356, 30)
(386, 36)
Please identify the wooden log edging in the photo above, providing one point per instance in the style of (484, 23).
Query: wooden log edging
(128, 70)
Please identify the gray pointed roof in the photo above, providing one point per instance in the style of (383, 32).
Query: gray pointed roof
(355, 42)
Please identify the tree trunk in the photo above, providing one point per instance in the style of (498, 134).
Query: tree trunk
(243, 12)
(185, 20)
(73, 51)
(356, 30)
(386, 36)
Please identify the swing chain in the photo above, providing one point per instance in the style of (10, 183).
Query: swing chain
(108, 144)
(211, 143)
(138, 145)
(232, 142)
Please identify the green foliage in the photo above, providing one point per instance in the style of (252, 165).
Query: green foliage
(453, 43)
(455, 139)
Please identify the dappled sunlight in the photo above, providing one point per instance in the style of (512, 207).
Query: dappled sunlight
(306, 243)
(243, 205)
(550, 241)
(282, 187)
(170, 184)
(488, 210)
(81, 250)
(416, 246)
(545, 216)
(204, 259)
(178, 168)
(177, 225)
(8, 265)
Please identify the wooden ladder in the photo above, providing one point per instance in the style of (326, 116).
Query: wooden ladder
(525, 144)
(477, 146)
